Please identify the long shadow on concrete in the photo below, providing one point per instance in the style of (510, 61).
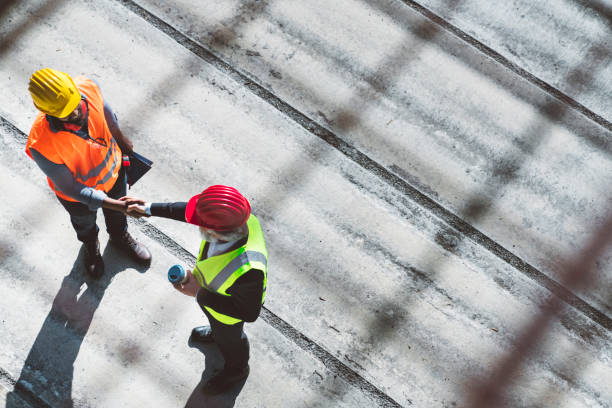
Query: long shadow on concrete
(214, 363)
(346, 121)
(577, 272)
(36, 15)
(599, 7)
(475, 208)
(222, 36)
(48, 371)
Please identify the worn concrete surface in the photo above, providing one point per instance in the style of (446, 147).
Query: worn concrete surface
(566, 43)
(433, 110)
(397, 306)
(122, 340)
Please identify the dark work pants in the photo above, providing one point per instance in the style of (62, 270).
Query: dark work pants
(232, 342)
(84, 220)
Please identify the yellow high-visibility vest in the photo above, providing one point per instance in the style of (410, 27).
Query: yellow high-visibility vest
(218, 273)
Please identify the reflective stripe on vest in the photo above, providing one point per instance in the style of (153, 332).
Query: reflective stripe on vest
(100, 167)
(93, 164)
(242, 259)
(218, 273)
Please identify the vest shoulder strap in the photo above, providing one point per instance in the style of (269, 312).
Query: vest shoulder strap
(91, 91)
(39, 140)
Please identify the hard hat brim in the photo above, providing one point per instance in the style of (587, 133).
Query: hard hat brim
(191, 215)
(54, 92)
(72, 104)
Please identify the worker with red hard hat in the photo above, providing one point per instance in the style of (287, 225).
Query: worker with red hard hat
(230, 276)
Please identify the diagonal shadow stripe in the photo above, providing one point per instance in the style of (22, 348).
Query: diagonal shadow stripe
(331, 363)
(40, 12)
(363, 160)
(545, 86)
(24, 392)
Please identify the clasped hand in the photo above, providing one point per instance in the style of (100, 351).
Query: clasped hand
(135, 207)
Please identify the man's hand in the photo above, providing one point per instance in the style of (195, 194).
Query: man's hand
(189, 288)
(135, 207)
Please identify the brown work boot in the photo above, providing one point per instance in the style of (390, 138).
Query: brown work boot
(137, 251)
(94, 265)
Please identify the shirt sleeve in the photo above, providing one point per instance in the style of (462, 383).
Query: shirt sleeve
(109, 115)
(175, 211)
(111, 118)
(245, 300)
(65, 182)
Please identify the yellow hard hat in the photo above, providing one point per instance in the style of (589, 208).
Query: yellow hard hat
(54, 92)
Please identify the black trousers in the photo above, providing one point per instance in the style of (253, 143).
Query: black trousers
(232, 342)
(84, 220)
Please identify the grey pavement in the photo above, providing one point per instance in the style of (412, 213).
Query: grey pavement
(419, 198)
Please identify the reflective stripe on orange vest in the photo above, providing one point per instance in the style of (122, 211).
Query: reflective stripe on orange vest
(94, 164)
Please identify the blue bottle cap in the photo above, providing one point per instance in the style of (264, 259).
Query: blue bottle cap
(176, 273)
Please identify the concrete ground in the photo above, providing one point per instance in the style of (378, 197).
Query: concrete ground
(423, 171)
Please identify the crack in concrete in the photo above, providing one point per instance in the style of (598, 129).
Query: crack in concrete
(7, 378)
(523, 73)
(369, 164)
(465, 229)
(331, 363)
(382, 172)
(360, 158)
(298, 338)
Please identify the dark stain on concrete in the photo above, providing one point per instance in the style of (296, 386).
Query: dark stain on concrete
(506, 170)
(345, 120)
(130, 353)
(222, 37)
(476, 207)
(426, 30)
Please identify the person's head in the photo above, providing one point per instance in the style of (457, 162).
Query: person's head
(55, 93)
(221, 212)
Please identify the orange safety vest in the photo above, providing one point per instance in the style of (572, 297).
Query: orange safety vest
(93, 162)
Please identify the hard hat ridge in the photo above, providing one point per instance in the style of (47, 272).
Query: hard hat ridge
(220, 208)
(54, 92)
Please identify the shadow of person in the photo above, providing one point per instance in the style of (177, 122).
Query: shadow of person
(214, 363)
(46, 376)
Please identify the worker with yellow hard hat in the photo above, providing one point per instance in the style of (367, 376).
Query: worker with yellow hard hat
(77, 143)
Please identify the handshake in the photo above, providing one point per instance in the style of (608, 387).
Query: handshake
(134, 207)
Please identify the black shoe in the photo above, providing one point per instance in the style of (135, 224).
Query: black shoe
(94, 265)
(224, 380)
(137, 251)
(202, 334)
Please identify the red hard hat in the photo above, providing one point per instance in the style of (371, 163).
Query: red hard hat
(219, 208)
